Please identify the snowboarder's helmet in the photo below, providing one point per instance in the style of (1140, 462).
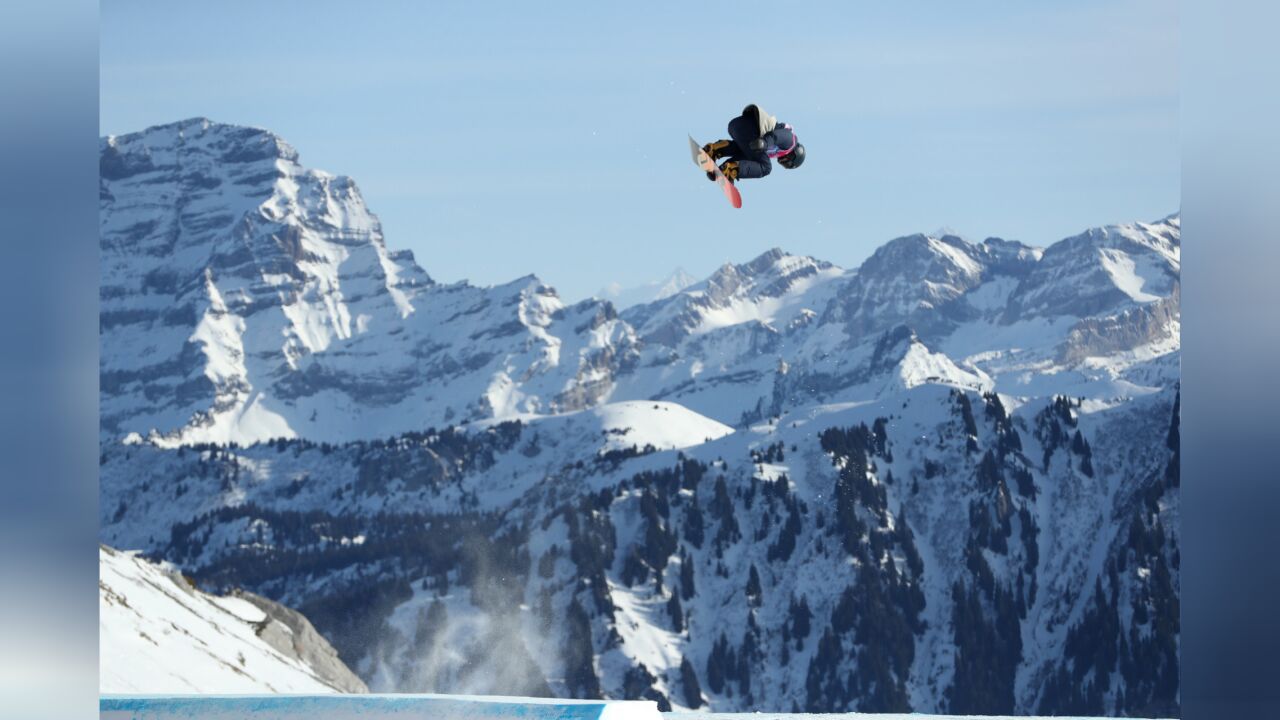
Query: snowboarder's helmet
(793, 159)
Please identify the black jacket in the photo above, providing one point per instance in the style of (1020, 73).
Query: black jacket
(755, 135)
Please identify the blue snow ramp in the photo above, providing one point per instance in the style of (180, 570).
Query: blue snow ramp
(360, 707)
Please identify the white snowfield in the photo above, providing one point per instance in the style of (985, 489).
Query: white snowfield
(343, 707)
(158, 634)
(638, 423)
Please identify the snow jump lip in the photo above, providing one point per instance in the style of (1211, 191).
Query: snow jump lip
(353, 707)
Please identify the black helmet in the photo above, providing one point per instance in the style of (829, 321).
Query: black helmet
(793, 159)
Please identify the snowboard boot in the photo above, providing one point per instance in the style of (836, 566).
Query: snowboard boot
(730, 170)
(717, 149)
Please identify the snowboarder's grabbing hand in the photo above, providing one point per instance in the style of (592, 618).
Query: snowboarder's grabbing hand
(756, 137)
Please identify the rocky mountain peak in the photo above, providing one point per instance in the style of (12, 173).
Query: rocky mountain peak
(947, 259)
(1009, 257)
(733, 293)
(1102, 270)
(915, 279)
(246, 297)
(182, 144)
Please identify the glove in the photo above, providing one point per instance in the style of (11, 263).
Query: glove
(756, 145)
(730, 170)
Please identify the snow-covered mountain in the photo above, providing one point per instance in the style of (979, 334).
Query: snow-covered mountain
(245, 297)
(624, 297)
(945, 480)
(158, 634)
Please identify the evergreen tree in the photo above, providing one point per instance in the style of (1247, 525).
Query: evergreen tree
(693, 524)
(754, 591)
(579, 654)
(966, 416)
(676, 612)
(718, 664)
(1173, 470)
(689, 683)
(800, 618)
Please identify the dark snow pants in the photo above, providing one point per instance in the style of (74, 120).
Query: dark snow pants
(751, 164)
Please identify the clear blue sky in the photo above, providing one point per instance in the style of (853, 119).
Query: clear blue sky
(499, 139)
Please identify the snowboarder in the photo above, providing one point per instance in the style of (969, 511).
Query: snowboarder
(756, 137)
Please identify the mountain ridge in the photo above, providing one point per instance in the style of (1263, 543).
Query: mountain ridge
(301, 244)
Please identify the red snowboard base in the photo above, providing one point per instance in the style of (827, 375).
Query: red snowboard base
(704, 161)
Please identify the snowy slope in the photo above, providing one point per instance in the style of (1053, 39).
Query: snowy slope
(545, 470)
(624, 426)
(157, 634)
(757, 291)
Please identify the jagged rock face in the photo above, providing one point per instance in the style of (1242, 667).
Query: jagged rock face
(1102, 271)
(924, 281)
(159, 634)
(909, 279)
(896, 360)
(290, 632)
(790, 486)
(1147, 325)
(245, 297)
(732, 294)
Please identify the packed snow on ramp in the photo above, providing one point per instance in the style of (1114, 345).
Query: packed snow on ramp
(437, 707)
(336, 707)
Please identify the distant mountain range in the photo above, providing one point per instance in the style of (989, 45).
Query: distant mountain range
(624, 297)
(945, 480)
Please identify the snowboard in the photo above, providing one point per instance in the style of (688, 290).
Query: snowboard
(704, 161)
